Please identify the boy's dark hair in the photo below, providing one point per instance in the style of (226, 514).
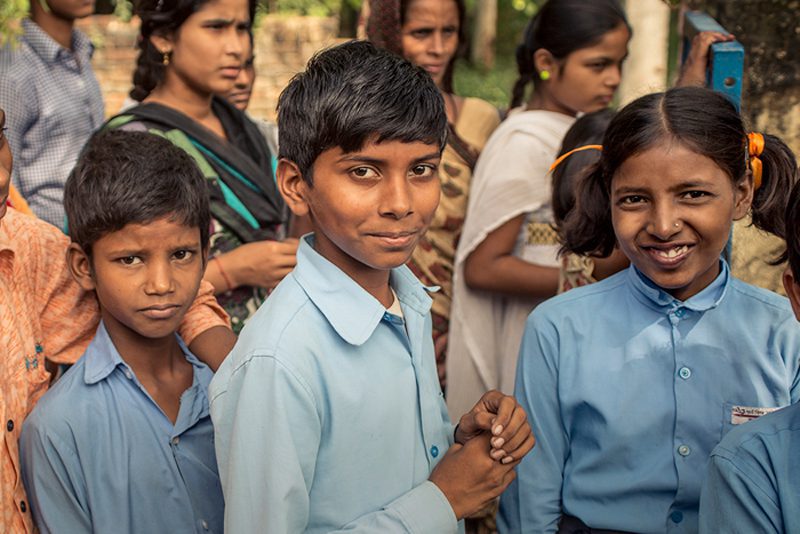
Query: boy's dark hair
(160, 17)
(587, 130)
(562, 27)
(793, 232)
(703, 121)
(125, 177)
(352, 93)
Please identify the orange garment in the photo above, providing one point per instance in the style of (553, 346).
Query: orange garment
(45, 315)
(16, 201)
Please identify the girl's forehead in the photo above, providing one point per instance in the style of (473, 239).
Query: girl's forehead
(667, 165)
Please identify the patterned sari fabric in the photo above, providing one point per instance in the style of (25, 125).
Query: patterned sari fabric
(245, 203)
(433, 258)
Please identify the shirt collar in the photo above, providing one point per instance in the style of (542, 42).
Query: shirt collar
(348, 307)
(708, 298)
(6, 240)
(102, 357)
(49, 50)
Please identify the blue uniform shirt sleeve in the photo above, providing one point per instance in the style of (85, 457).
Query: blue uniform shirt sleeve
(53, 479)
(532, 503)
(733, 501)
(265, 402)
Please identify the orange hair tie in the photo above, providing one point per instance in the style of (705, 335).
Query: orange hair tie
(562, 157)
(755, 147)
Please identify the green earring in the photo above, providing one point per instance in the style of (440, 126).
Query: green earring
(544, 75)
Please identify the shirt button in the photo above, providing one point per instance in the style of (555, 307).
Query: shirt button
(204, 524)
(23, 507)
(684, 450)
(175, 440)
(685, 372)
(128, 374)
(676, 517)
(434, 451)
(10, 425)
(680, 312)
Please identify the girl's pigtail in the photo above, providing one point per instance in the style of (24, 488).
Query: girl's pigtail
(587, 229)
(778, 176)
(526, 70)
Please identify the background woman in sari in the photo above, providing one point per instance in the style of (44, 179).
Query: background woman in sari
(190, 51)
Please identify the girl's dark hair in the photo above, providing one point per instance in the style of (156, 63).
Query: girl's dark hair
(562, 27)
(447, 80)
(587, 130)
(793, 232)
(160, 17)
(703, 121)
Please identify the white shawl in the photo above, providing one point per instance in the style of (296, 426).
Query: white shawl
(511, 178)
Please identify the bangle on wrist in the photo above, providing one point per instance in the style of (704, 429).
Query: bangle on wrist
(222, 273)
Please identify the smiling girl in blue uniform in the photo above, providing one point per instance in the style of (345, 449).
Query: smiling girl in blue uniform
(632, 381)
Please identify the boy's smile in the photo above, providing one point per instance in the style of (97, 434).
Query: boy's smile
(672, 211)
(146, 276)
(370, 207)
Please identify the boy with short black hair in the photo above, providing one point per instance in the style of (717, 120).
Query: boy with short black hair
(753, 482)
(124, 442)
(328, 412)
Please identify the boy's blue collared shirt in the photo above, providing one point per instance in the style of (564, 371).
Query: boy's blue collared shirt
(629, 390)
(99, 455)
(53, 104)
(753, 482)
(329, 413)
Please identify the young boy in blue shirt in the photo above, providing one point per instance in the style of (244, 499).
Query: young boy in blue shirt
(123, 442)
(753, 482)
(328, 411)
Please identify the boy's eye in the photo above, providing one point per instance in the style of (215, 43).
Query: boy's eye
(183, 254)
(363, 173)
(422, 171)
(130, 260)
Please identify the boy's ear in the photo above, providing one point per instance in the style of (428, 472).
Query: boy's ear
(743, 197)
(80, 266)
(792, 287)
(544, 60)
(293, 187)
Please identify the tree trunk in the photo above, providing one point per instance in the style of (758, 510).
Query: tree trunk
(770, 33)
(646, 66)
(483, 37)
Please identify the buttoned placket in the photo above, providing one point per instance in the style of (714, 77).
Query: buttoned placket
(682, 444)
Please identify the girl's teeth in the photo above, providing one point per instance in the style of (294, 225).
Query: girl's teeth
(673, 252)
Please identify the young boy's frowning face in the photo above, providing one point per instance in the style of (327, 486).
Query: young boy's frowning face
(369, 207)
(146, 276)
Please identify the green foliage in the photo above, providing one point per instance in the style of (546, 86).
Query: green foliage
(319, 8)
(11, 12)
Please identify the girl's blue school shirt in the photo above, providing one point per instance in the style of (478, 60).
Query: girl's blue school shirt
(629, 389)
(328, 412)
(99, 455)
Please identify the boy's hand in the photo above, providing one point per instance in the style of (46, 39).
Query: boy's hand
(261, 263)
(694, 69)
(506, 421)
(469, 478)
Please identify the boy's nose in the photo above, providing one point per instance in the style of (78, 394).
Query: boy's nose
(159, 280)
(396, 199)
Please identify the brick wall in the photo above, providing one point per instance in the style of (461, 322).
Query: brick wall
(283, 46)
